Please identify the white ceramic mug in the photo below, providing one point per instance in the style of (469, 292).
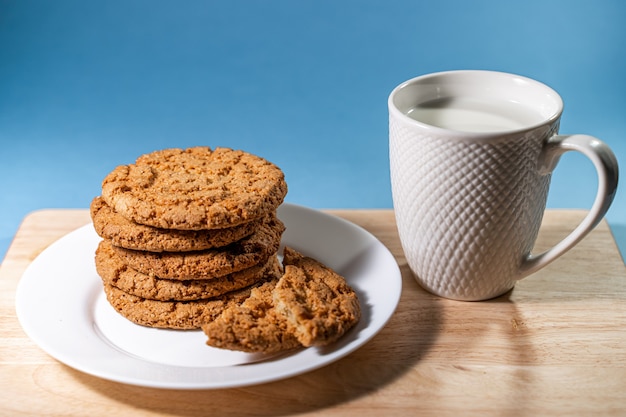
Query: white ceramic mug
(471, 156)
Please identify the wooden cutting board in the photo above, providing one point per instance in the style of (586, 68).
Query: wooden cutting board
(555, 345)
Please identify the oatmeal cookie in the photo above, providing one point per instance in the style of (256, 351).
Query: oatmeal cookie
(317, 302)
(252, 326)
(309, 305)
(196, 188)
(115, 272)
(130, 235)
(179, 315)
(210, 263)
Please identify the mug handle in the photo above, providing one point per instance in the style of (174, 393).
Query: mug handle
(605, 163)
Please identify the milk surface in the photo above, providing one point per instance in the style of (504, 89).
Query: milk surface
(475, 115)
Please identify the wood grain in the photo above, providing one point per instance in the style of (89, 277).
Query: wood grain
(555, 345)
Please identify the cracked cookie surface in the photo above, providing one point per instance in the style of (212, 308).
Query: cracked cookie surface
(317, 302)
(195, 188)
(252, 326)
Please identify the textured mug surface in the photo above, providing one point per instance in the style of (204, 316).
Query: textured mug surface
(469, 205)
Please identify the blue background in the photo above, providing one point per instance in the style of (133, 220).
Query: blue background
(86, 86)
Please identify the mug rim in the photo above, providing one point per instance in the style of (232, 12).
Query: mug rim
(555, 100)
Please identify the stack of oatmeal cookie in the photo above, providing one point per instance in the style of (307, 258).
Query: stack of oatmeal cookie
(186, 233)
(190, 240)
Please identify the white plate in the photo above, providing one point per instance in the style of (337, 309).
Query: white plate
(61, 306)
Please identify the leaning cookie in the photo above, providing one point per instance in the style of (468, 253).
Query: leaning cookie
(212, 263)
(130, 235)
(115, 272)
(316, 301)
(252, 326)
(196, 188)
